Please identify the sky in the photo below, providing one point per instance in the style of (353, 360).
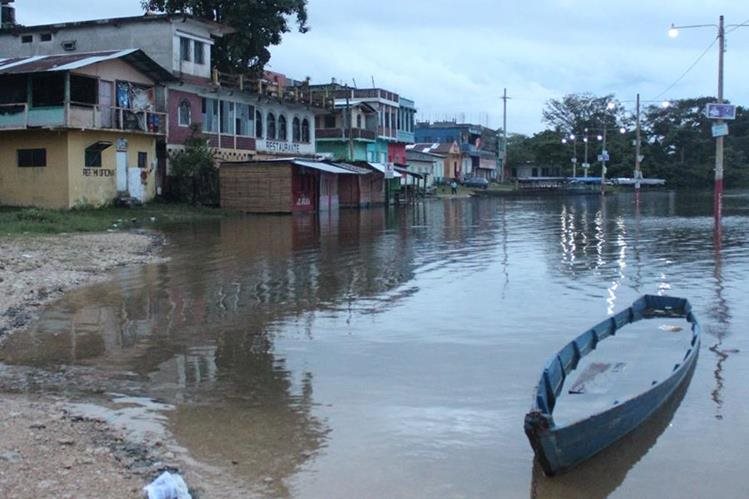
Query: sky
(455, 57)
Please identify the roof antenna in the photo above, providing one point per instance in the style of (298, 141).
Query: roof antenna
(354, 80)
(373, 83)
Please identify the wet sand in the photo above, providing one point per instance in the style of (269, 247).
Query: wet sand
(46, 449)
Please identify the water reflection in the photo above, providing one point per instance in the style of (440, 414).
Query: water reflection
(601, 475)
(721, 317)
(303, 341)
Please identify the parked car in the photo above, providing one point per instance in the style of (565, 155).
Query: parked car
(476, 182)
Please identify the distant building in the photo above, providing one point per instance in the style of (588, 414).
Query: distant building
(479, 145)
(451, 154)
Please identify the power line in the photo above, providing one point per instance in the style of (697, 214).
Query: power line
(690, 68)
(734, 28)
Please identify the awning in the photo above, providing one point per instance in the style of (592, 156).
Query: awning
(383, 168)
(323, 167)
(353, 168)
(406, 172)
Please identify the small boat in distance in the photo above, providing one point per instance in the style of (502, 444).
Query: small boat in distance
(617, 388)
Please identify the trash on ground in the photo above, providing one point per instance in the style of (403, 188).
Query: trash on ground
(167, 486)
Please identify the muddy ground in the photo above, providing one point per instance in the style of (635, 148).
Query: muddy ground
(61, 434)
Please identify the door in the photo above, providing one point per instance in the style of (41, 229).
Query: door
(121, 163)
(106, 91)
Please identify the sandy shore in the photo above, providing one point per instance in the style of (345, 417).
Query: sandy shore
(46, 450)
(74, 431)
(35, 270)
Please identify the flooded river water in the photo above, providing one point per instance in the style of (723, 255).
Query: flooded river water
(393, 353)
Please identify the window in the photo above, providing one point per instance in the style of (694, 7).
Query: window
(282, 127)
(227, 117)
(68, 45)
(184, 48)
(210, 115)
(48, 89)
(244, 119)
(271, 127)
(305, 130)
(329, 121)
(83, 89)
(142, 159)
(27, 38)
(258, 124)
(296, 131)
(199, 52)
(183, 113)
(13, 89)
(93, 154)
(46, 37)
(358, 121)
(32, 157)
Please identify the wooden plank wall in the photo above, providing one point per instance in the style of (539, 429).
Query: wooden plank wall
(256, 187)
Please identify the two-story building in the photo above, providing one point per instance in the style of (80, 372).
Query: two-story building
(479, 145)
(242, 119)
(365, 123)
(79, 129)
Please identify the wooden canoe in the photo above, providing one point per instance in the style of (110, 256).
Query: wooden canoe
(603, 404)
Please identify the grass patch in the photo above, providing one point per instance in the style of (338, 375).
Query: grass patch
(155, 215)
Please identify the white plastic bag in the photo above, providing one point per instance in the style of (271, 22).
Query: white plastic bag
(167, 486)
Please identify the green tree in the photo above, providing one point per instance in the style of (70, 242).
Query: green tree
(194, 175)
(576, 112)
(259, 24)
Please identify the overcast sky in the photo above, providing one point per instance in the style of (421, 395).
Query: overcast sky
(454, 57)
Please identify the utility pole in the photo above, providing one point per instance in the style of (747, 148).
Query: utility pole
(718, 196)
(504, 136)
(349, 126)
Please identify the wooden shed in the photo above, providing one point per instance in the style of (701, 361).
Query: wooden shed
(280, 185)
(367, 188)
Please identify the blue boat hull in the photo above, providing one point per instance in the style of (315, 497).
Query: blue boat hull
(560, 448)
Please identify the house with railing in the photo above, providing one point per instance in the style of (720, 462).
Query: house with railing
(241, 117)
(79, 129)
(358, 114)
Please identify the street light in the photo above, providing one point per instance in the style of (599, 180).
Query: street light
(673, 32)
(573, 138)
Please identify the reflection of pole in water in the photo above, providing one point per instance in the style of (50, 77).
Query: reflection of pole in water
(638, 259)
(505, 256)
(721, 315)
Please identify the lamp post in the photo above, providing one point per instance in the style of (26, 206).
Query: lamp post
(604, 152)
(586, 165)
(673, 32)
(573, 138)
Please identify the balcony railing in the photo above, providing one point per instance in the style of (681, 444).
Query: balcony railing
(81, 116)
(293, 93)
(343, 133)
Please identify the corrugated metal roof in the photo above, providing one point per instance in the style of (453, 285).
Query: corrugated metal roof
(67, 62)
(382, 168)
(353, 168)
(322, 167)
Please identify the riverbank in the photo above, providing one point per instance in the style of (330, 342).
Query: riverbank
(45, 450)
(36, 270)
(15, 221)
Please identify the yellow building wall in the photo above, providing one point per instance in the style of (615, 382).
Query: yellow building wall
(97, 186)
(44, 187)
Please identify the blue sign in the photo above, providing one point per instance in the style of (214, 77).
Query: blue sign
(717, 111)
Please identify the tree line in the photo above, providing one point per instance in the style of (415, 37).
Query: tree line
(676, 140)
